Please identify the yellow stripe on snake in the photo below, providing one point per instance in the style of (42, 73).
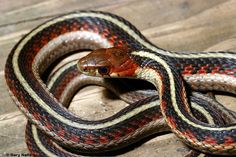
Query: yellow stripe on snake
(133, 56)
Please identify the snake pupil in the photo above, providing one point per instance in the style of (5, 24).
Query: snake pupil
(103, 70)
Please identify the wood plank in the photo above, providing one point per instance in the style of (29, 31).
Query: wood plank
(12, 31)
(6, 103)
(181, 25)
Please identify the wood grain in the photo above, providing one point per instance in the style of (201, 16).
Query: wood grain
(181, 25)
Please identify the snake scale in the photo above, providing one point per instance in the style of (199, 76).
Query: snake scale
(132, 55)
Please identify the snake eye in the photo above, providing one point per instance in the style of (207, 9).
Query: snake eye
(103, 70)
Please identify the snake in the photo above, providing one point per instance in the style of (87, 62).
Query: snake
(92, 30)
(67, 80)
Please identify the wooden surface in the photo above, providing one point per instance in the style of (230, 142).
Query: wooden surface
(180, 25)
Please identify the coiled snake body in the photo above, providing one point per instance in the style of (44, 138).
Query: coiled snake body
(92, 30)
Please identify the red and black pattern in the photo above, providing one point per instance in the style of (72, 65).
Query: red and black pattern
(78, 137)
(25, 62)
(71, 73)
(179, 126)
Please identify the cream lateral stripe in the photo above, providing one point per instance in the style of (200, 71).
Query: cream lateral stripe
(78, 36)
(73, 63)
(69, 122)
(44, 105)
(204, 112)
(137, 37)
(39, 144)
(58, 73)
(131, 33)
(63, 119)
(173, 94)
(201, 155)
(68, 88)
(29, 89)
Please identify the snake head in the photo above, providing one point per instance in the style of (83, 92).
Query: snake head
(108, 62)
